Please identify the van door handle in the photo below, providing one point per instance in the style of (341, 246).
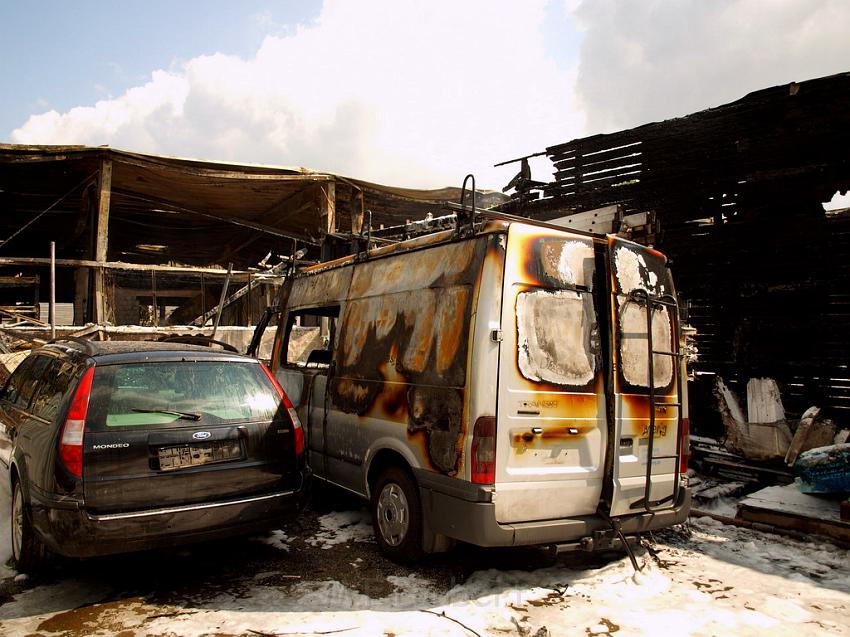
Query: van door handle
(537, 430)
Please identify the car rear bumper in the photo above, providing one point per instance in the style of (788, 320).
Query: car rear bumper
(475, 522)
(79, 533)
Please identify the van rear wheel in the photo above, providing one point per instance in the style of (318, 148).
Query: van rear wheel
(28, 551)
(397, 515)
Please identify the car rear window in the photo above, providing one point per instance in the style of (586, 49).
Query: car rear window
(180, 393)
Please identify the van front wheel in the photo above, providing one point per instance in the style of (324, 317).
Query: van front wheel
(397, 515)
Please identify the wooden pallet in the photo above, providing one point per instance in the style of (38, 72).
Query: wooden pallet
(784, 507)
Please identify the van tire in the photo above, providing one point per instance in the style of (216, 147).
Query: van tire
(28, 551)
(397, 515)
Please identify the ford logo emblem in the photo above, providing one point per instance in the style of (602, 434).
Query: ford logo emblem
(201, 435)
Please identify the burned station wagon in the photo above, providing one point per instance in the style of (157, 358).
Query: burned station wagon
(513, 384)
(121, 446)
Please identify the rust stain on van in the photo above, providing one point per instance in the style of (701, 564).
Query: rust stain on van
(556, 259)
(402, 353)
(521, 440)
(636, 413)
(452, 319)
(552, 275)
(556, 401)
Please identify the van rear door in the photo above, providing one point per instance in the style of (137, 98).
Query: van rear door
(551, 431)
(177, 432)
(640, 279)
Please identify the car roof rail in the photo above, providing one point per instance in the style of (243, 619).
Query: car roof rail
(79, 340)
(199, 339)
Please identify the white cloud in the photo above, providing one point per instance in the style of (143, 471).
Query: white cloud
(420, 94)
(405, 93)
(655, 59)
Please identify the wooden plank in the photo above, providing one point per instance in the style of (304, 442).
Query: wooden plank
(22, 317)
(138, 267)
(104, 196)
(200, 320)
(102, 239)
(358, 211)
(598, 220)
(327, 207)
(789, 499)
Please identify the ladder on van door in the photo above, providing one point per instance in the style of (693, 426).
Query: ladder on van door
(653, 303)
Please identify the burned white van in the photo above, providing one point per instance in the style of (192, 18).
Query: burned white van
(516, 384)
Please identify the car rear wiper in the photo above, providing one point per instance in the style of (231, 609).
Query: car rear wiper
(185, 415)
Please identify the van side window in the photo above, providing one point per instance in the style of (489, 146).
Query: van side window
(309, 337)
(54, 386)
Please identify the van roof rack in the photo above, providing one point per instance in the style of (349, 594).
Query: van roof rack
(486, 213)
(432, 223)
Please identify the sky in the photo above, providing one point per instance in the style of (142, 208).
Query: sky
(394, 91)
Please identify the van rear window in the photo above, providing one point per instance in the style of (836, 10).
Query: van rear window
(634, 352)
(181, 392)
(556, 336)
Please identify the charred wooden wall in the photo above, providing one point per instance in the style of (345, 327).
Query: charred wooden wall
(768, 299)
(736, 193)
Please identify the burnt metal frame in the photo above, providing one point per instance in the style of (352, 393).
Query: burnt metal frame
(653, 302)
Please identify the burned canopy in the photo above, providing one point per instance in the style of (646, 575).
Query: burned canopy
(164, 209)
(109, 209)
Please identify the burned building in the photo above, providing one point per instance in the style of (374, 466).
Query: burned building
(734, 196)
(147, 240)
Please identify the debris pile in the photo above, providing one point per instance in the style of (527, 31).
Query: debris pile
(763, 434)
(790, 475)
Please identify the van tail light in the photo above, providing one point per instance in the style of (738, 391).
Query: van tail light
(293, 415)
(484, 451)
(71, 438)
(685, 445)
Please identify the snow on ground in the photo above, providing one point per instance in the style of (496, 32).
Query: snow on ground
(727, 507)
(343, 527)
(277, 539)
(717, 580)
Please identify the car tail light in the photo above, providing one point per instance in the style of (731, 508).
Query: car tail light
(293, 415)
(71, 438)
(484, 451)
(685, 444)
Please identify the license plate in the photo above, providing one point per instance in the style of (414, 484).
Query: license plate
(180, 457)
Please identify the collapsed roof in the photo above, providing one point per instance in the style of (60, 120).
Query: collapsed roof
(190, 212)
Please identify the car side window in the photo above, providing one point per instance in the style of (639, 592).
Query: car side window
(309, 337)
(29, 388)
(55, 384)
(20, 379)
